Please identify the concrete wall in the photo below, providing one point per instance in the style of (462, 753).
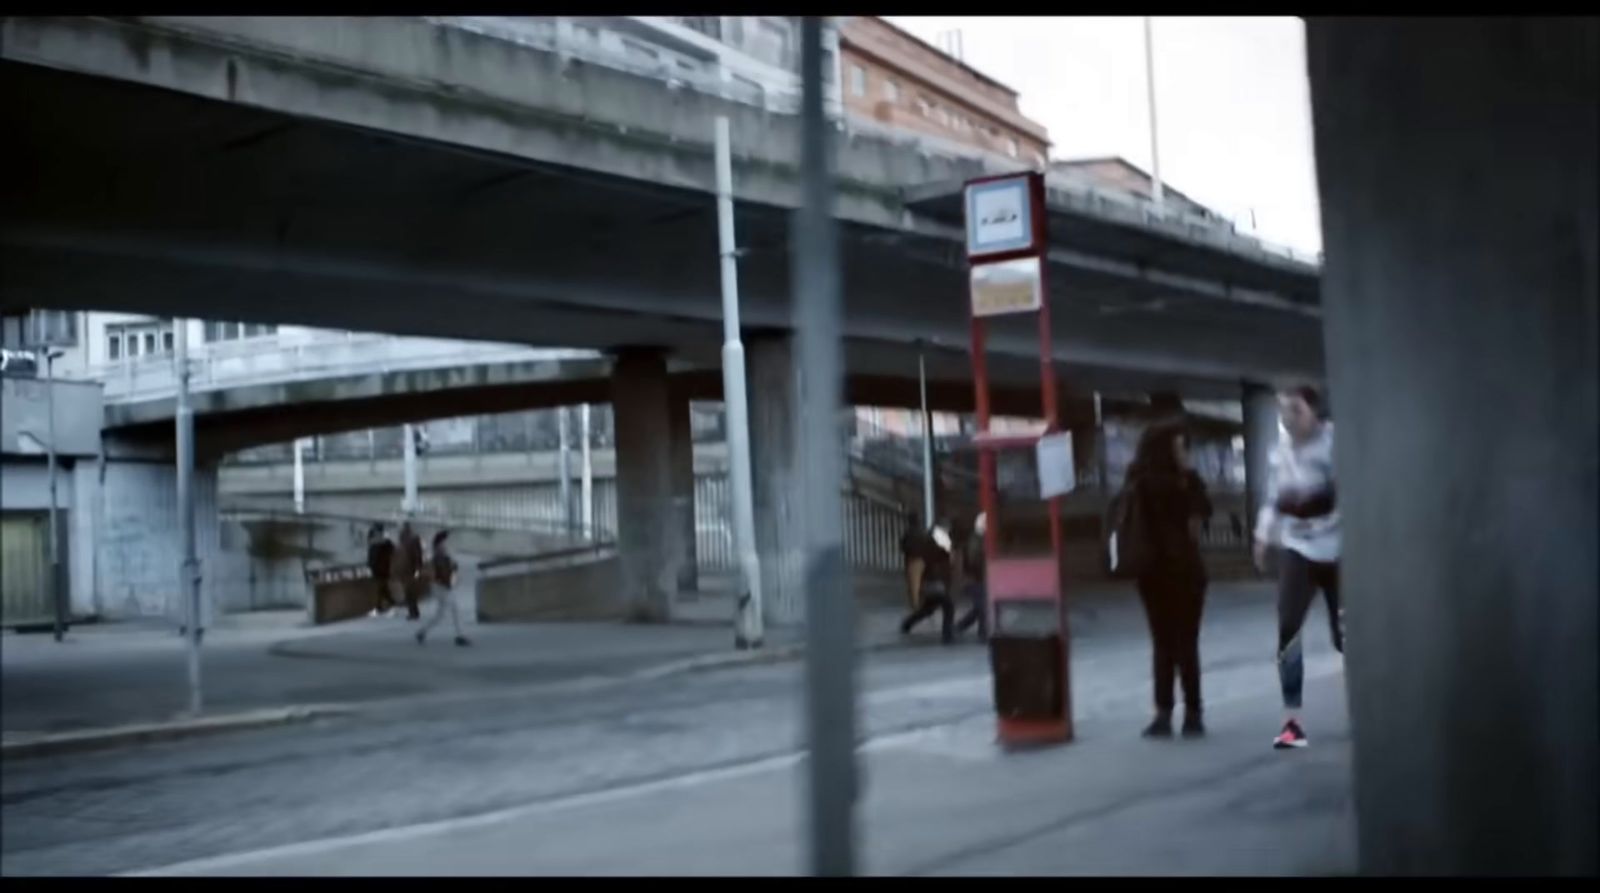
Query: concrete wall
(1458, 161)
(138, 540)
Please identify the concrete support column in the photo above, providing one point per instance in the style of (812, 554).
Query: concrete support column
(1260, 434)
(682, 458)
(647, 527)
(774, 404)
(1457, 165)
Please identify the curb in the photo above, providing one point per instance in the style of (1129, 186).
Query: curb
(26, 745)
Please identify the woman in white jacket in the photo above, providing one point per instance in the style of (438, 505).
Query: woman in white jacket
(1300, 516)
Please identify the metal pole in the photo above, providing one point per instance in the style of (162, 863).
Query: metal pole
(748, 615)
(299, 476)
(564, 454)
(588, 476)
(927, 440)
(408, 501)
(50, 457)
(1156, 190)
(189, 569)
(830, 612)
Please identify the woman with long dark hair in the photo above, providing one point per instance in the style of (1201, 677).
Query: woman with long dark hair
(1167, 494)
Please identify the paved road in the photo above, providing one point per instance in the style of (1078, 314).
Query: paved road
(391, 771)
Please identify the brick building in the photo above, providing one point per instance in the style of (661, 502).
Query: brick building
(897, 80)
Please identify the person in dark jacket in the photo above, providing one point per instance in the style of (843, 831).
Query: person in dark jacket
(408, 571)
(932, 549)
(380, 560)
(1169, 495)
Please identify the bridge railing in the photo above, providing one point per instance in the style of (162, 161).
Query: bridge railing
(544, 34)
(271, 361)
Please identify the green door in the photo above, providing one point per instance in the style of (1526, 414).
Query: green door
(25, 569)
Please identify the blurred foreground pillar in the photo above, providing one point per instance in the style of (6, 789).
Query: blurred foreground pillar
(1457, 168)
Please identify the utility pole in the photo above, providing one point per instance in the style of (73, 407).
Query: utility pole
(56, 593)
(587, 487)
(1157, 191)
(748, 620)
(408, 501)
(830, 608)
(300, 475)
(927, 439)
(564, 455)
(189, 569)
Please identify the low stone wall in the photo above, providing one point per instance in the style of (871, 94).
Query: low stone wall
(580, 584)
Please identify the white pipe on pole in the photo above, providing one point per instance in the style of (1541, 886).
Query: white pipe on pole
(748, 620)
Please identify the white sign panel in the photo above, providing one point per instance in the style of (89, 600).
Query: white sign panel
(999, 217)
(1054, 456)
(1010, 286)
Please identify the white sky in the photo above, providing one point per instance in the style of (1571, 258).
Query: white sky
(1233, 102)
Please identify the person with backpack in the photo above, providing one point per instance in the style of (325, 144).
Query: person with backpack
(1300, 516)
(444, 577)
(1153, 540)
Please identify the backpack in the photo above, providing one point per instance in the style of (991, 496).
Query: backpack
(1128, 543)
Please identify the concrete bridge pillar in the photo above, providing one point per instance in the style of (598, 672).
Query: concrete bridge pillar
(648, 529)
(1260, 434)
(774, 402)
(1457, 162)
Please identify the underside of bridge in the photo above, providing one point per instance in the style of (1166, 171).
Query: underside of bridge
(151, 200)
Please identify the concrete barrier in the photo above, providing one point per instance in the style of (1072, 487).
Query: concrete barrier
(573, 584)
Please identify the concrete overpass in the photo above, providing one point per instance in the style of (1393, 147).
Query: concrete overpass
(365, 173)
(414, 177)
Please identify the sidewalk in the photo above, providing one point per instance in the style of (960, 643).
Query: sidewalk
(128, 681)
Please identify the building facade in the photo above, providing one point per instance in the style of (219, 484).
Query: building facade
(895, 80)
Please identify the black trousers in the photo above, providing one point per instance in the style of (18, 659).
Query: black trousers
(933, 599)
(1173, 606)
(381, 584)
(1299, 579)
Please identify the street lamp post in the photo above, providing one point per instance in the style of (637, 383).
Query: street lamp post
(56, 594)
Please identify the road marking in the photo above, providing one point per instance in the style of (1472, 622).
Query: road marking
(411, 832)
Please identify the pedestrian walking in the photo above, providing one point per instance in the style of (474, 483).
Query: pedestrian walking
(911, 558)
(1300, 517)
(1155, 517)
(975, 585)
(380, 561)
(444, 576)
(408, 569)
(932, 549)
